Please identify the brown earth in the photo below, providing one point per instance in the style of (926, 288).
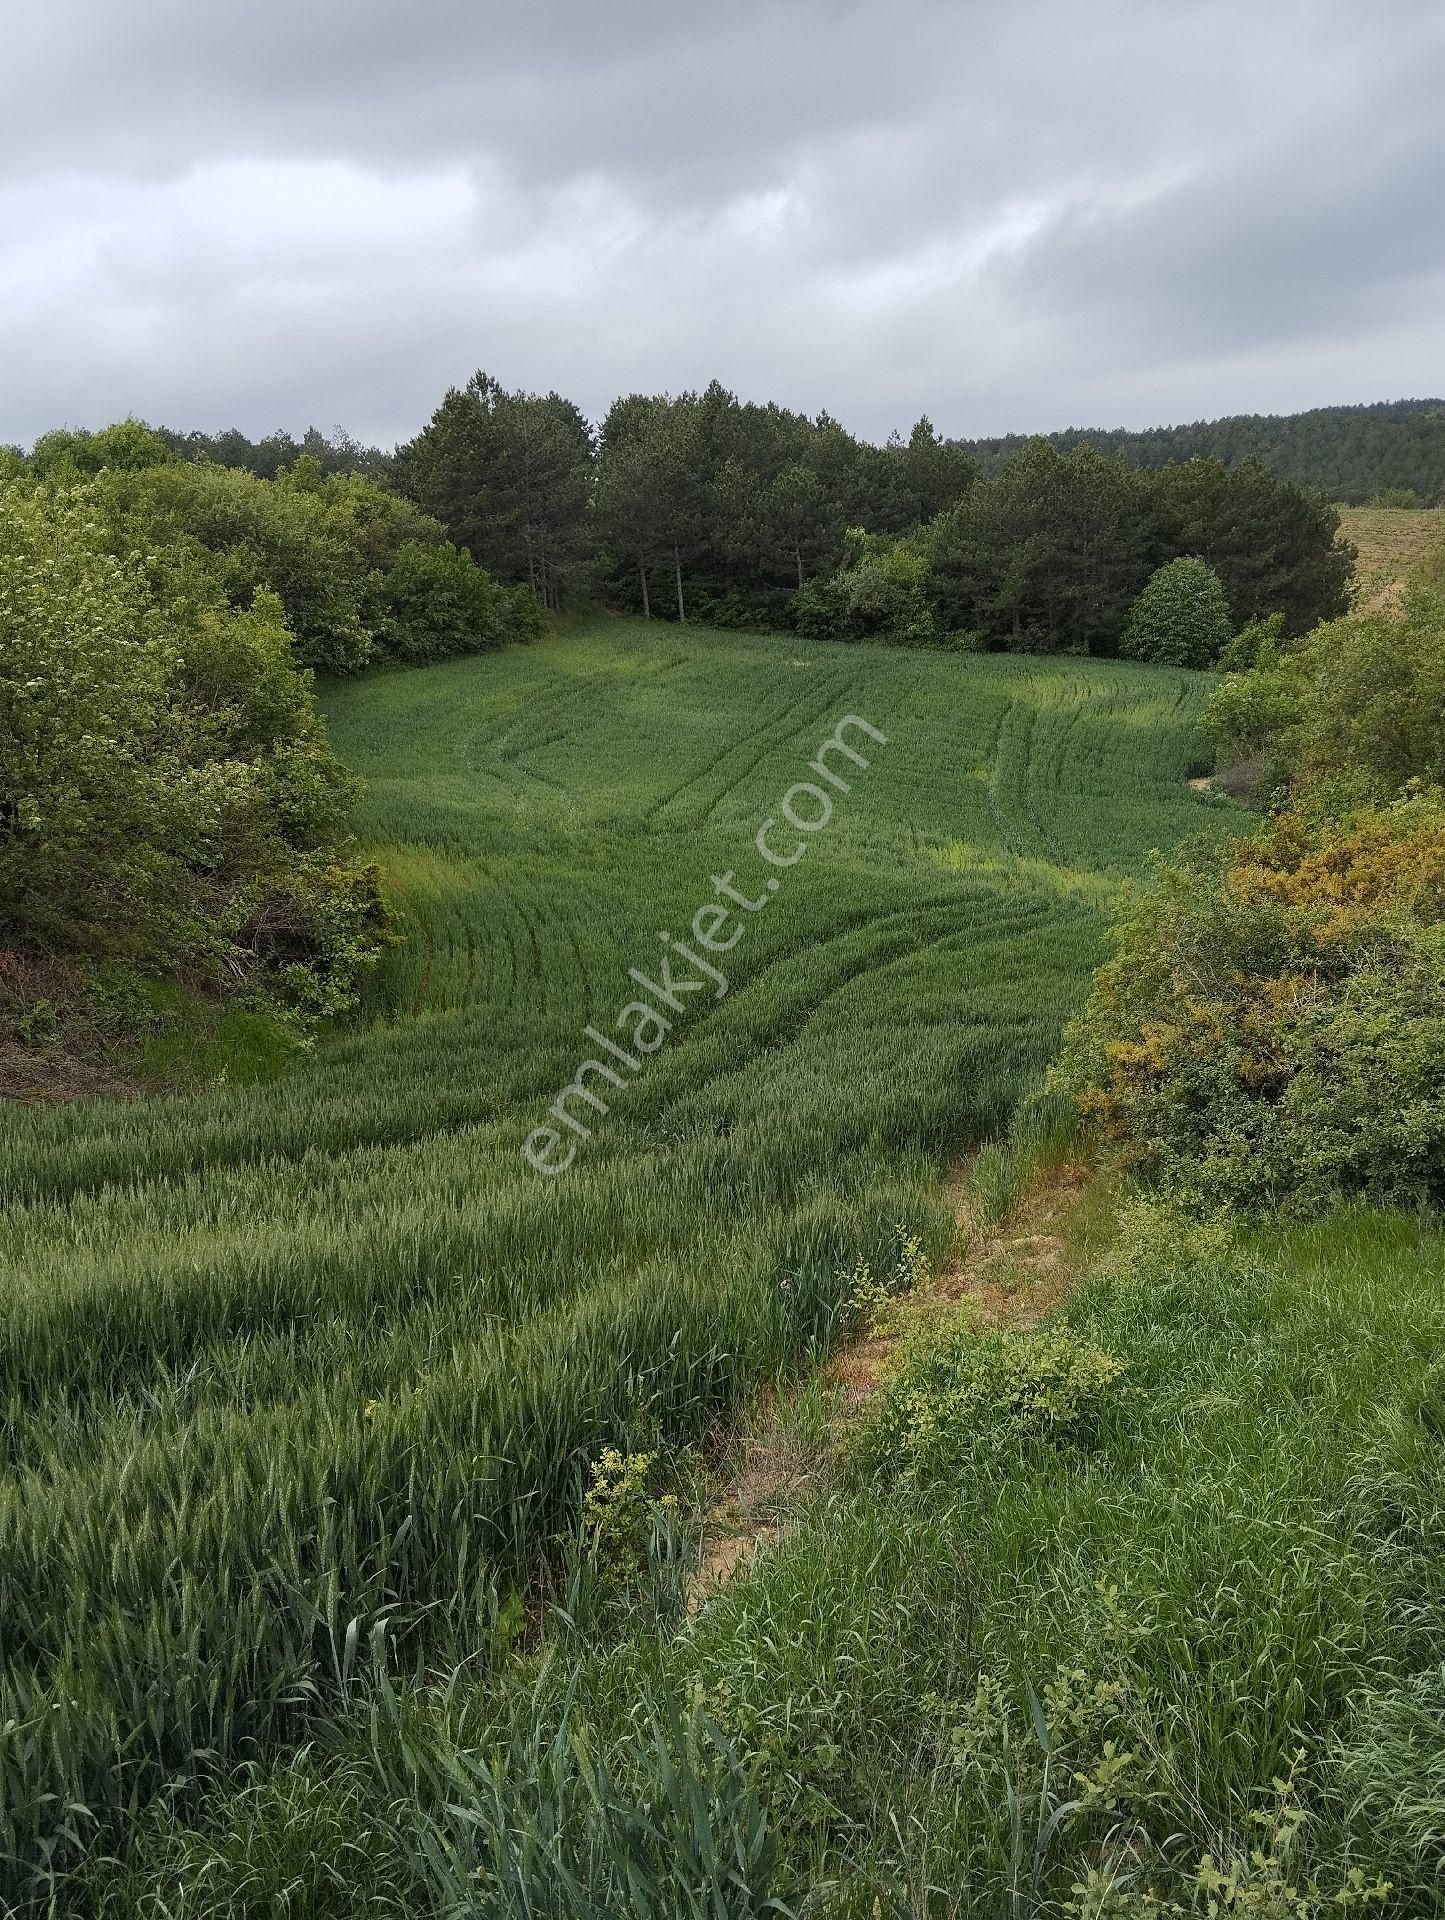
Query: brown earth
(1392, 543)
(1009, 1276)
(62, 1059)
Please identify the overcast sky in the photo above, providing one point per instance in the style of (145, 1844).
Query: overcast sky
(1010, 217)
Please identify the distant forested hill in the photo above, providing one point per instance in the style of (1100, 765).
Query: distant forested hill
(1350, 453)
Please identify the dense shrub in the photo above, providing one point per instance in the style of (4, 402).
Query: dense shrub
(361, 573)
(167, 795)
(1359, 703)
(879, 594)
(377, 521)
(1257, 645)
(434, 602)
(259, 534)
(957, 1394)
(1271, 1029)
(1180, 619)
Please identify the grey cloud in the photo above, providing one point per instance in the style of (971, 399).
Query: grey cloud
(1006, 216)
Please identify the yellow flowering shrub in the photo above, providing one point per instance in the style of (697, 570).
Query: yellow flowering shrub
(1271, 1028)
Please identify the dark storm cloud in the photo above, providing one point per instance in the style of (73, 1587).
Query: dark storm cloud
(1007, 216)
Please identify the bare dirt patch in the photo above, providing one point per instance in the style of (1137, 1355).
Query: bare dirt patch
(1011, 1276)
(772, 1462)
(50, 1076)
(49, 1050)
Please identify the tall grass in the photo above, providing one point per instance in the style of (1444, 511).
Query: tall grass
(276, 1361)
(1086, 1662)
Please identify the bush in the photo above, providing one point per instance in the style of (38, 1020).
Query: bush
(955, 1391)
(880, 594)
(1181, 619)
(1257, 645)
(378, 521)
(622, 1509)
(1271, 1029)
(1357, 703)
(435, 602)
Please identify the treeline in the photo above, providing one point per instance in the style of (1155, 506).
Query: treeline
(335, 452)
(1351, 454)
(1391, 451)
(701, 506)
(704, 507)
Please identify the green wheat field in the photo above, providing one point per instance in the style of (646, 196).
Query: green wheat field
(278, 1360)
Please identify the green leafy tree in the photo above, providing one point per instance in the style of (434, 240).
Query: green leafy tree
(509, 475)
(1181, 619)
(127, 447)
(550, 455)
(1275, 546)
(797, 513)
(936, 472)
(1047, 553)
(624, 509)
(651, 499)
(260, 535)
(335, 453)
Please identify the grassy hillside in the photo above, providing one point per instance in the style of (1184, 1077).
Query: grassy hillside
(1391, 543)
(279, 1359)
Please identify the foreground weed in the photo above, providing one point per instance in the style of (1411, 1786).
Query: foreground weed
(622, 1509)
(553, 1823)
(953, 1392)
(873, 1302)
(1258, 1884)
